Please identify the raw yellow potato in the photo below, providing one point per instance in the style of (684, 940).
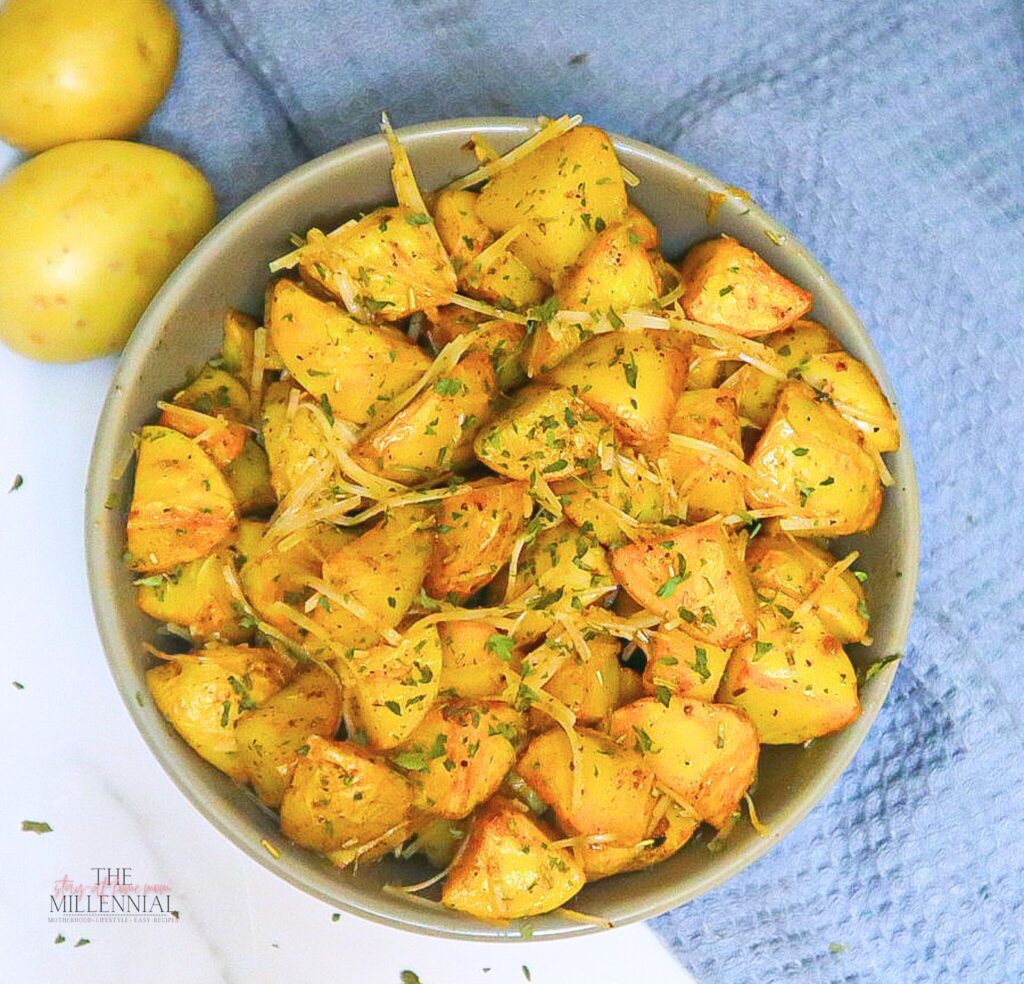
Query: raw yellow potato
(756, 392)
(476, 659)
(731, 286)
(387, 265)
(597, 501)
(271, 738)
(812, 461)
(789, 571)
(668, 833)
(293, 439)
(181, 508)
(631, 379)
(588, 682)
(434, 433)
(679, 664)
(704, 753)
(794, 685)
(614, 784)
(694, 577)
(90, 232)
(565, 192)
(503, 341)
(395, 686)
(614, 274)
(545, 432)
(375, 578)
(203, 693)
(476, 529)
(331, 355)
(458, 756)
(340, 796)
(509, 870)
(73, 71)
(709, 483)
(248, 477)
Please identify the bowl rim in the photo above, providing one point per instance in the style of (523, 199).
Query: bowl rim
(108, 447)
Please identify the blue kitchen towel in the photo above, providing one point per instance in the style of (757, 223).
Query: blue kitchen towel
(889, 136)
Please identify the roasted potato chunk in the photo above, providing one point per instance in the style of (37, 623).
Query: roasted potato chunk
(181, 508)
(352, 366)
(271, 738)
(693, 577)
(388, 264)
(340, 796)
(565, 192)
(679, 664)
(731, 286)
(668, 833)
(509, 870)
(588, 682)
(476, 529)
(794, 685)
(705, 753)
(203, 693)
(545, 432)
(476, 659)
(219, 437)
(813, 461)
(248, 477)
(293, 439)
(237, 348)
(503, 341)
(215, 393)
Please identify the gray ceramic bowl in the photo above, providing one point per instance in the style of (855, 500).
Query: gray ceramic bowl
(182, 328)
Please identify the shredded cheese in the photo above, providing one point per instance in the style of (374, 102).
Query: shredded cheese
(712, 452)
(830, 575)
(259, 364)
(482, 307)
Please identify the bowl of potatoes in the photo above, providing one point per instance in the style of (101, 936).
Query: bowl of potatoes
(502, 530)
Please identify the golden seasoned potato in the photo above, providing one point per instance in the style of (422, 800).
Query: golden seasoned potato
(462, 232)
(667, 834)
(395, 686)
(692, 576)
(476, 659)
(614, 784)
(704, 753)
(708, 483)
(379, 574)
(340, 796)
(476, 529)
(812, 461)
(216, 393)
(458, 756)
(237, 347)
(731, 286)
(503, 341)
(388, 264)
(181, 508)
(434, 433)
(439, 841)
(566, 192)
(354, 367)
(293, 439)
(788, 571)
(545, 432)
(794, 685)
(248, 477)
(271, 738)
(588, 683)
(645, 232)
(203, 693)
(219, 437)
(632, 379)
(509, 870)
(679, 664)
(631, 685)
(605, 502)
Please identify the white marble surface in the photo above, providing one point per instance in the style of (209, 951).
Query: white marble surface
(72, 758)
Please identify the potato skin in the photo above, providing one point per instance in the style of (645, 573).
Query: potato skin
(95, 227)
(181, 508)
(509, 869)
(71, 71)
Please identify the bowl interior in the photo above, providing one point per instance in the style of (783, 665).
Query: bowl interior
(182, 328)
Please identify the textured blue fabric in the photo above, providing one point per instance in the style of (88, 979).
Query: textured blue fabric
(889, 136)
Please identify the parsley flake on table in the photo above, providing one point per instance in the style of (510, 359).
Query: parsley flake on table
(16, 484)
(36, 827)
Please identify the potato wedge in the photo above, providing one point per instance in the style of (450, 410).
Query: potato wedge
(545, 432)
(476, 530)
(704, 753)
(215, 392)
(272, 737)
(692, 576)
(458, 756)
(248, 477)
(354, 367)
(203, 693)
(181, 508)
(679, 664)
(588, 682)
(509, 870)
(668, 834)
(566, 192)
(339, 795)
(476, 659)
(293, 439)
(813, 461)
(795, 686)
(434, 434)
(731, 286)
